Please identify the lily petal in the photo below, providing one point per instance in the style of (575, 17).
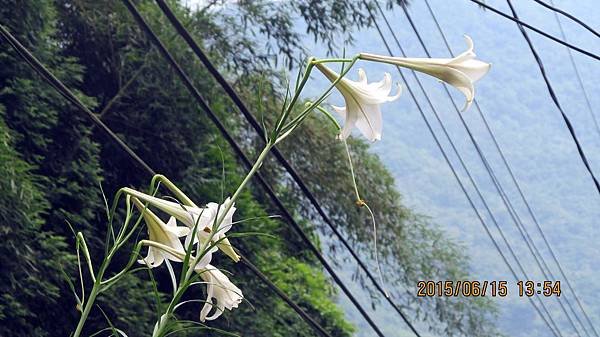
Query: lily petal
(370, 123)
(362, 102)
(221, 289)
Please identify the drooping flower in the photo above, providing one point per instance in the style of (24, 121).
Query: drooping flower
(221, 289)
(461, 71)
(203, 218)
(362, 102)
(167, 234)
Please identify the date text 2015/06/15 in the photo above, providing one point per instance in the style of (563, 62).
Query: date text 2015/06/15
(467, 288)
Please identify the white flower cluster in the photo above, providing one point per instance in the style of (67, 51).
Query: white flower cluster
(204, 228)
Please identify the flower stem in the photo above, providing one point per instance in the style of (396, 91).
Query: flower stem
(255, 167)
(361, 203)
(294, 123)
(87, 308)
(333, 60)
(299, 87)
(358, 199)
(98, 284)
(173, 188)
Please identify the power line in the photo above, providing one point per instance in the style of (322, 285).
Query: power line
(596, 124)
(512, 212)
(279, 156)
(551, 324)
(62, 89)
(65, 92)
(555, 98)
(564, 116)
(577, 75)
(519, 189)
(196, 94)
(539, 31)
(570, 16)
(448, 162)
(316, 326)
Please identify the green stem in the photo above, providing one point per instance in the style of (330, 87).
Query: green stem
(164, 319)
(398, 62)
(333, 84)
(298, 119)
(96, 289)
(86, 309)
(332, 60)
(173, 188)
(300, 87)
(330, 117)
(312, 62)
(132, 260)
(255, 167)
(358, 199)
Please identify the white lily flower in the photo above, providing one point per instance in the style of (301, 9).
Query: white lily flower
(206, 222)
(178, 255)
(192, 215)
(362, 102)
(208, 217)
(167, 234)
(460, 72)
(220, 288)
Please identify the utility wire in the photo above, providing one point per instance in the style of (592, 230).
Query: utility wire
(537, 30)
(278, 155)
(555, 98)
(316, 326)
(570, 16)
(540, 262)
(65, 92)
(551, 325)
(196, 94)
(564, 116)
(577, 74)
(459, 181)
(519, 189)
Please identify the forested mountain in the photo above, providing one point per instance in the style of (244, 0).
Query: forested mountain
(529, 129)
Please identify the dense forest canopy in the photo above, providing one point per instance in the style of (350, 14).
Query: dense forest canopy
(54, 163)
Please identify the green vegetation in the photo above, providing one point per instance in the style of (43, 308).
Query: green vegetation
(53, 162)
